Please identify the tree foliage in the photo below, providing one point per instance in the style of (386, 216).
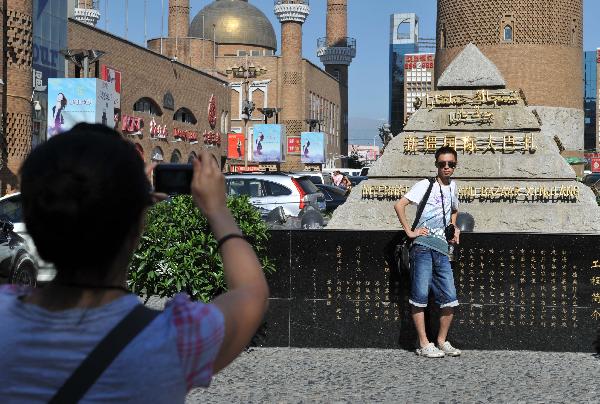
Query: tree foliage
(178, 252)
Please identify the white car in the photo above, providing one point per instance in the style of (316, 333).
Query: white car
(11, 210)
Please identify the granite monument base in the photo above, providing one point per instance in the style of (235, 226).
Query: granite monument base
(341, 289)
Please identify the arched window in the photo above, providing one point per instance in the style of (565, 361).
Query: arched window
(225, 121)
(192, 157)
(508, 33)
(148, 106)
(157, 155)
(185, 115)
(175, 157)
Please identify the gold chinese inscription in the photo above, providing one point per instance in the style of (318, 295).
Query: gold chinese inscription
(595, 284)
(489, 194)
(506, 144)
(517, 288)
(470, 117)
(479, 98)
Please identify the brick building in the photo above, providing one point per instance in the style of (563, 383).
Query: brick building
(537, 45)
(170, 110)
(15, 89)
(229, 34)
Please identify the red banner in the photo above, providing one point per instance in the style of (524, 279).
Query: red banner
(236, 146)
(188, 135)
(595, 165)
(294, 145)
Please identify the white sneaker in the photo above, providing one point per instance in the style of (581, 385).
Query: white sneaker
(449, 350)
(430, 351)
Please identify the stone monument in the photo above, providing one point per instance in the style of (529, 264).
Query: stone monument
(511, 177)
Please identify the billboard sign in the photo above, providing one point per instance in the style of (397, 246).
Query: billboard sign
(267, 143)
(75, 100)
(235, 146)
(113, 76)
(313, 147)
(293, 145)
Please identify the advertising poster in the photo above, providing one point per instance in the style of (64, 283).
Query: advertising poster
(75, 100)
(113, 76)
(293, 145)
(235, 146)
(312, 147)
(267, 143)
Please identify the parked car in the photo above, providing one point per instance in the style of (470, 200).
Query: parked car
(355, 180)
(269, 190)
(11, 211)
(364, 171)
(16, 263)
(316, 177)
(334, 196)
(592, 180)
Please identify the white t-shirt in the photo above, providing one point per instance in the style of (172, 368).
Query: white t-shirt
(432, 218)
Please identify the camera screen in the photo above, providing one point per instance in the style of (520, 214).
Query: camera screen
(173, 179)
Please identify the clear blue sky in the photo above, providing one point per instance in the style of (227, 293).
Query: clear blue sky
(368, 22)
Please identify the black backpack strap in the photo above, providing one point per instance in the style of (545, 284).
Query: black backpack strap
(103, 354)
(422, 204)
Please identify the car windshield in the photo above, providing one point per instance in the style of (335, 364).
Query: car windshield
(307, 185)
(10, 209)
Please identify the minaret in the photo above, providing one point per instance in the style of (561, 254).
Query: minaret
(179, 18)
(292, 14)
(336, 52)
(86, 11)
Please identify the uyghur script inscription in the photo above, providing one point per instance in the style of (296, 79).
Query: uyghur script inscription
(479, 98)
(489, 194)
(507, 144)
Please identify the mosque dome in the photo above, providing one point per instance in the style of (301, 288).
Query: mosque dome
(236, 22)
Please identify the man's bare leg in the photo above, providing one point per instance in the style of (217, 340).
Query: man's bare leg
(418, 316)
(445, 320)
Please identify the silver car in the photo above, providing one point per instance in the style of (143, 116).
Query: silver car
(11, 211)
(271, 190)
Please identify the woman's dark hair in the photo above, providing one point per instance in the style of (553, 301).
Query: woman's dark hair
(83, 193)
(446, 150)
(64, 101)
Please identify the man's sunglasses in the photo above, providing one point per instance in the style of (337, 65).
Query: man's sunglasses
(442, 164)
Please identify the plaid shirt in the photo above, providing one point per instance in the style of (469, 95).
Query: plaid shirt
(199, 331)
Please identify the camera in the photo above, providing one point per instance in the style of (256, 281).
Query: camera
(449, 232)
(173, 179)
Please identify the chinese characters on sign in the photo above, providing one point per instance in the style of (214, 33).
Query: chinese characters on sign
(294, 145)
(188, 135)
(506, 144)
(595, 284)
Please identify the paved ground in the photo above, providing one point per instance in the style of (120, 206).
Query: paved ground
(269, 375)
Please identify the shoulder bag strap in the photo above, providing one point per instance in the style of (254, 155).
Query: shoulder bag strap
(422, 204)
(103, 355)
(443, 208)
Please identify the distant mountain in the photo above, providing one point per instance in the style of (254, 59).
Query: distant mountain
(361, 130)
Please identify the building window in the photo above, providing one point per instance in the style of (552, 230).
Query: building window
(192, 157)
(157, 155)
(175, 156)
(242, 53)
(185, 115)
(148, 106)
(256, 53)
(443, 37)
(508, 33)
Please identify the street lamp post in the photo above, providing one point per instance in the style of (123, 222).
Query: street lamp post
(246, 72)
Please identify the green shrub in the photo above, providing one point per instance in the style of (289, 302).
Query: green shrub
(178, 253)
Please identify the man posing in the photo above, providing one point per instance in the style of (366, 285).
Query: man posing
(430, 265)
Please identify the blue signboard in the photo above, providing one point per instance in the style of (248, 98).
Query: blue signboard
(313, 147)
(267, 144)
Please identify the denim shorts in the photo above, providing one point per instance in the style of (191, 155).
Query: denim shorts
(431, 270)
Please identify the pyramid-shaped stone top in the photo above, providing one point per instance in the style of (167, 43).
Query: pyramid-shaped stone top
(471, 69)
